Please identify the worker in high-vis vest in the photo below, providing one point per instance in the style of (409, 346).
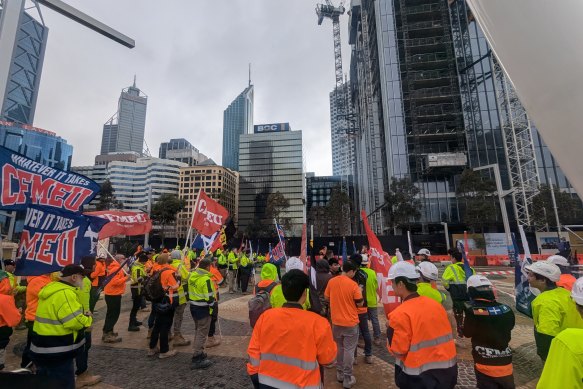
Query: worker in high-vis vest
(567, 280)
(59, 328)
(233, 263)
(138, 274)
(201, 293)
(97, 276)
(564, 365)
(283, 354)
(372, 284)
(9, 317)
(427, 285)
(222, 264)
(489, 324)
(245, 270)
(419, 335)
(182, 277)
(553, 310)
(454, 281)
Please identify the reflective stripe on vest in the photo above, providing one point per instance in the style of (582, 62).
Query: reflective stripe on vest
(431, 342)
(202, 295)
(296, 362)
(275, 383)
(254, 362)
(200, 303)
(59, 322)
(425, 367)
(56, 350)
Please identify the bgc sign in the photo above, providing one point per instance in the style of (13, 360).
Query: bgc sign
(276, 127)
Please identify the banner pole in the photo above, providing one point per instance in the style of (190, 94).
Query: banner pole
(112, 257)
(279, 238)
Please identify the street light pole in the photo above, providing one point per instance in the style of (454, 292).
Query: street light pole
(501, 195)
(446, 233)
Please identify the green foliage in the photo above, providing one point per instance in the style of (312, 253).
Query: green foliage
(331, 217)
(479, 198)
(568, 207)
(402, 204)
(165, 209)
(107, 198)
(277, 205)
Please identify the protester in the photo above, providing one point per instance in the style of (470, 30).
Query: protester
(233, 260)
(489, 324)
(245, 270)
(18, 291)
(335, 268)
(113, 292)
(285, 354)
(361, 278)
(564, 366)
(201, 293)
(454, 281)
(423, 255)
(553, 310)
(419, 335)
(163, 308)
(567, 280)
(58, 332)
(345, 296)
(372, 284)
(9, 317)
(323, 276)
(138, 274)
(217, 279)
(35, 284)
(427, 282)
(181, 276)
(97, 277)
(5, 284)
(222, 263)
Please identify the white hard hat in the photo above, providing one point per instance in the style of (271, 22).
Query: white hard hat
(364, 259)
(294, 263)
(176, 254)
(477, 281)
(577, 292)
(403, 269)
(428, 270)
(545, 269)
(558, 260)
(424, 252)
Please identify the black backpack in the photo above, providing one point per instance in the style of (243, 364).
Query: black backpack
(260, 303)
(153, 290)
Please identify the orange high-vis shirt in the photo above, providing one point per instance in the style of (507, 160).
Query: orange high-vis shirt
(9, 314)
(34, 285)
(288, 346)
(216, 277)
(117, 286)
(566, 281)
(343, 294)
(98, 272)
(168, 281)
(6, 287)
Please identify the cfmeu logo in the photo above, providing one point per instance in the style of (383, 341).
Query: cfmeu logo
(209, 216)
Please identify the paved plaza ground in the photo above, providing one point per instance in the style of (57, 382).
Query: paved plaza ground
(125, 364)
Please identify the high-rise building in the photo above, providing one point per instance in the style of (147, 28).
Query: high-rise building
(237, 120)
(19, 102)
(181, 150)
(124, 131)
(271, 161)
(218, 182)
(343, 147)
(37, 144)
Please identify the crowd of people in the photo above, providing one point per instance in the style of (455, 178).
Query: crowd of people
(322, 316)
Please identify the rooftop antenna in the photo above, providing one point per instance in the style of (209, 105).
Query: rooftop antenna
(134, 80)
(249, 74)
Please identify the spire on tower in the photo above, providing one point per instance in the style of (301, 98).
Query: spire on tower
(249, 74)
(134, 80)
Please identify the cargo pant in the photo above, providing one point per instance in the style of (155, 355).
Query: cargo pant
(346, 339)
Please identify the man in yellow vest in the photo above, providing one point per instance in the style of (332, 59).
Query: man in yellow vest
(201, 293)
(233, 260)
(59, 328)
(454, 281)
(182, 277)
(564, 365)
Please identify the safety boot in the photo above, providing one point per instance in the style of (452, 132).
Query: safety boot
(86, 379)
(179, 340)
(111, 338)
(212, 341)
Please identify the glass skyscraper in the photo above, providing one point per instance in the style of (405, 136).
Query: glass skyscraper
(125, 130)
(343, 149)
(181, 150)
(237, 120)
(19, 103)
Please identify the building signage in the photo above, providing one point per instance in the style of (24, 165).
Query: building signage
(275, 127)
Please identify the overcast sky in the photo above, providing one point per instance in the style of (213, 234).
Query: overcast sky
(191, 59)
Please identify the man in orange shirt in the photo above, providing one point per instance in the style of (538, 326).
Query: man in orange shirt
(9, 317)
(163, 310)
(345, 296)
(283, 354)
(34, 285)
(113, 292)
(97, 277)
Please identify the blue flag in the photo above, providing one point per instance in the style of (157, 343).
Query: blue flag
(25, 182)
(467, 268)
(524, 296)
(344, 253)
(53, 239)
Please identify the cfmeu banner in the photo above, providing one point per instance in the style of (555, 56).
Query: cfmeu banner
(53, 239)
(123, 223)
(209, 216)
(24, 182)
(380, 263)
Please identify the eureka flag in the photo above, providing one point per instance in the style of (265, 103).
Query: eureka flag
(209, 216)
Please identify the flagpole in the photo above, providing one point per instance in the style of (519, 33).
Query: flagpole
(112, 257)
(279, 238)
(192, 218)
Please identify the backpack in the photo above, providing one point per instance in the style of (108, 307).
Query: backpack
(153, 290)
(260, 303)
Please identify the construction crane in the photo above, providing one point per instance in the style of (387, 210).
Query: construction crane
(333, 13)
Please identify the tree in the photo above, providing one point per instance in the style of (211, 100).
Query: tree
(164, 211)
(568, 207)
(107, 198)
(479, 199)
(402, 204)
(277, 204)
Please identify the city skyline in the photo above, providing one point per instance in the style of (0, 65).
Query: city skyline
(191, 80)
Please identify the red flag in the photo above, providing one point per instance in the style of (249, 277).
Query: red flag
(304, 250)
(123, 223)
(380, 262)
(209, 216)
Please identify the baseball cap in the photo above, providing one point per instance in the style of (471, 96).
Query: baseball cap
(477, 280)
(69, 270)
(175, 254)
(577, 291)
(428, 270)
(364, 259)
(424, 252)
(403, 269)
(9, 262)
(545, 269)
(558, 260)
(294, 263)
